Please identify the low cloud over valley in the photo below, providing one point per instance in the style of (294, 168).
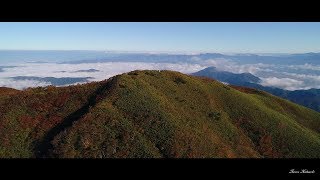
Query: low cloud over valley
(289, 77)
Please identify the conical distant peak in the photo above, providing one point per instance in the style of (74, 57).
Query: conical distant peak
(211, 68)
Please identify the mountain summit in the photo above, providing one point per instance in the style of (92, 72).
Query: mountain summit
(154, 114)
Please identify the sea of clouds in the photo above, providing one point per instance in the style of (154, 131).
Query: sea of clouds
(105, 71)
(290, 77)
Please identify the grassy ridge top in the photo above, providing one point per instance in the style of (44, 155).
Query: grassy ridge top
(7, 91)
(156, 114)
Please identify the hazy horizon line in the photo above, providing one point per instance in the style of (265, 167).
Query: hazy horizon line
(161, 51)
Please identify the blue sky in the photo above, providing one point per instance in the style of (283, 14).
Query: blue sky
(221, 37)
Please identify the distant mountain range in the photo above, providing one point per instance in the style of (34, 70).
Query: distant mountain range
(308, 98)
(293, 59)
(81, 56)
(228, 77)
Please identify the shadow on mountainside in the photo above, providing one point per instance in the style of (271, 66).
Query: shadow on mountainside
(43, 149)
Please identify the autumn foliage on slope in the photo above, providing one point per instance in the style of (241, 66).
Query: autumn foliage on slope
(155, 114)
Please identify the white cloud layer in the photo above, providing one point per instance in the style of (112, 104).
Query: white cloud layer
(106, 70)
(283, 83)
(305, 66)
(271, 75)
(231, 66)
(21, 84)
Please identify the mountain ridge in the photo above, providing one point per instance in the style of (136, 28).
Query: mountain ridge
(308, 98)
(154, 114)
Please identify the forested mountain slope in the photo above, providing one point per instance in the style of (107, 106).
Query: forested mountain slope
(155, 114)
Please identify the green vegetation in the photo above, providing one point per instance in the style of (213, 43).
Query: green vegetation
(155, 114)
